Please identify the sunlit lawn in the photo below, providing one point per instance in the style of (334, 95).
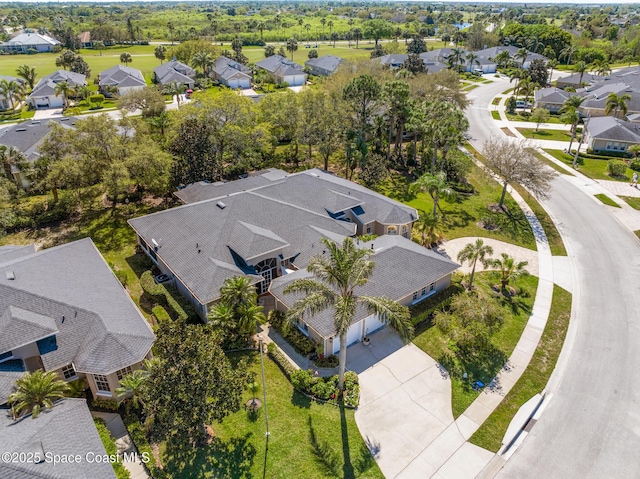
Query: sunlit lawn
(593, 168)
(542, 134)
(239, 447)
(516, 311)
(463, 214)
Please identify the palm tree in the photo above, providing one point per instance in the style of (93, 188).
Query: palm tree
(292, 46)
(457, 57)
(160, 122)
(601, 67)
(28, 73)
(522, 53)
(616, 103)
(237, 307)
(98, 45)
(330, 25)
(517, 75)
(336, 278)
(503, 59)
(238, 291)
(429, 227)
(63, 88)
(567, 52)
(472, 58)
(254, 389)
(474, 252)
(202, 60)
(635, 150)
(357, 35)
(580, 67)
(571, 114)
(307, 27)
(125, 58)
(175, 89)
(551, 64)
(160, 53)
(10, 158)
(508, 268)
(131, 387)
(437, 187)
(12, 90)
(35, 391)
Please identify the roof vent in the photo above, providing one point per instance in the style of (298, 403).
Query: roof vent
(221, 205)
(21, 129)
(11, 275)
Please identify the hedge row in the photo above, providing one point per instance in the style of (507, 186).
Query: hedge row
(110, 445)
(326, 389)
(302, 344)
(160, 314)
(162, 295)
(139, 438)
(425, 309)
(37, 211)
(287, 368)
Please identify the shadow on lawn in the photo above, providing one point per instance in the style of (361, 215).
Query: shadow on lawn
(481, 366)
(513, 222)
(231, 459)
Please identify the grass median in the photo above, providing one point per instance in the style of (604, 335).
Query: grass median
(535, 377)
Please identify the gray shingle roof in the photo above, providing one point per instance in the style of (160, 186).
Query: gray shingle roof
(225, 67)
(46, 86)
(119, 75)
(7, 383)
(174, 76)
(19, 327)
(11, 252)
(32, 39)
(168, 68)
(99, 327)
(402, 267)
(551, 95)
(28, 135)
(272, 63)
(610, 128)
(325, 62)
(66, 429)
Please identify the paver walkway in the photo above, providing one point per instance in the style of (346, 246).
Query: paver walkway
(123, 442)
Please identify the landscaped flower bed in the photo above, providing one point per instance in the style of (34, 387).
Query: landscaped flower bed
(326, 389)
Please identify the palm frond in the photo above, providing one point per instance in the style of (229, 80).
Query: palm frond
(311, 304)
(391, 313)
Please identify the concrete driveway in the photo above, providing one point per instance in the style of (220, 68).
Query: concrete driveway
(405, 400)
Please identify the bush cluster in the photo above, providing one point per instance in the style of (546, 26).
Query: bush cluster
(164, 296)
(302, 344)
(139, 438)
(37, 211)
(635, 165)
(282, 362)
(425, 309)
(327, 361)
(326, 389)
(616, 168)
(109, 444)
(108, 404)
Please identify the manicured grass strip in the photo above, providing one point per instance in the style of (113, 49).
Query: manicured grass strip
(496, 100)
(506, 92)
(109, 444)
(516, 311)
(606, 200)
(553, 235)
(637, 233)
(508, 132)
(534, 378)
(307, 439)
(558, 135)
(595, 168)
(470, 87)
(550, 163)
(632, 201)
(495, 114)
(526, 116)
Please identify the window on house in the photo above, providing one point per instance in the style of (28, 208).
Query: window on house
(424, 291)
(7, 355)
(123, 372)
(102, 384)
(69, 372)
(432, 287)
(415, 295)
(392, 230)
(609, 145)
(368, 229)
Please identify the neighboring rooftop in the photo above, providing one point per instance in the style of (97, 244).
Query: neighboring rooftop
(122, 76)
(610, 128)
(28, 135)
(32, 39)
(174, 71)
(329, 63)
(280, 65)
(65, 430)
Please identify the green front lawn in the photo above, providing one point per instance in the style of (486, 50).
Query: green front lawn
(535, 377)
(462, 215)
(632, 201)
(495, 114)
(527, 117)
(11, 116)
(606, 200)
(550, 163)
(559, 135)
(307, 439)
(593, 168)
(516, 312)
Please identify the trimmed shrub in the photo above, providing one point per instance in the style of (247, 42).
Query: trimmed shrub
(291, 334)
(122, 276)
(327, 361)
(139, 438)
(326, 389)
(635, 165)
(108, 404)
(109, 444)
(164, 296)
(283, 363)
(616, 168)
(425, 309)
(160, 314)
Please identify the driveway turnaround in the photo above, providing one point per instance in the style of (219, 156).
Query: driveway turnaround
(405, 401)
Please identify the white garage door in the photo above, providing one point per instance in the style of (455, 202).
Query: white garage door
(371, 324)
(233, 83)
(354, 334)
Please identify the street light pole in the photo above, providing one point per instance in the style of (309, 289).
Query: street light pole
(264, 390)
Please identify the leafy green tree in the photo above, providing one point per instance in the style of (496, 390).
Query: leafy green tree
(538, 72)
(126, 58)
(414, 64)
(377, 29)
(513, 162)
(539, 116)
(397, 97)
(282, 113)
(28, 73)
(10, 158)
(186, 50)
(437, 187)
(269, 51)
(292, 46)
(571, 114)
(617, 103)
(65, 59)
(191, 375)
(98, 45)
(35, 391)
(362, 96)
(417, 45)
(80, 66)
(474, 252)
(313, 53)
(336, 277)
(508, 269)
(149, 100)
(160, 53)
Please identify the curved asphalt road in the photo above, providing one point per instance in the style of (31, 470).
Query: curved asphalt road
(591, 426)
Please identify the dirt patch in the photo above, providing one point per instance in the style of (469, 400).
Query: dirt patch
(488, 225)
(508, 132)
(155, 448)
(495, 208)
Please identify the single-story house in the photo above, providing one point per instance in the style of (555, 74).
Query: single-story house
(261, 227)
(595, 103)
(405, 272)
(124, 78)
(606, 134)
(577, 80)
(44, 94)
(323, 66)
(487, 56)
(174, 71)
(85, 39)
(393, 60)
(551, 98)
(66, 430)
(437, 55)
(6, 102)
(62, 309)
(283, 70)
(231, 73)
(27, 137)
(29, 41)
